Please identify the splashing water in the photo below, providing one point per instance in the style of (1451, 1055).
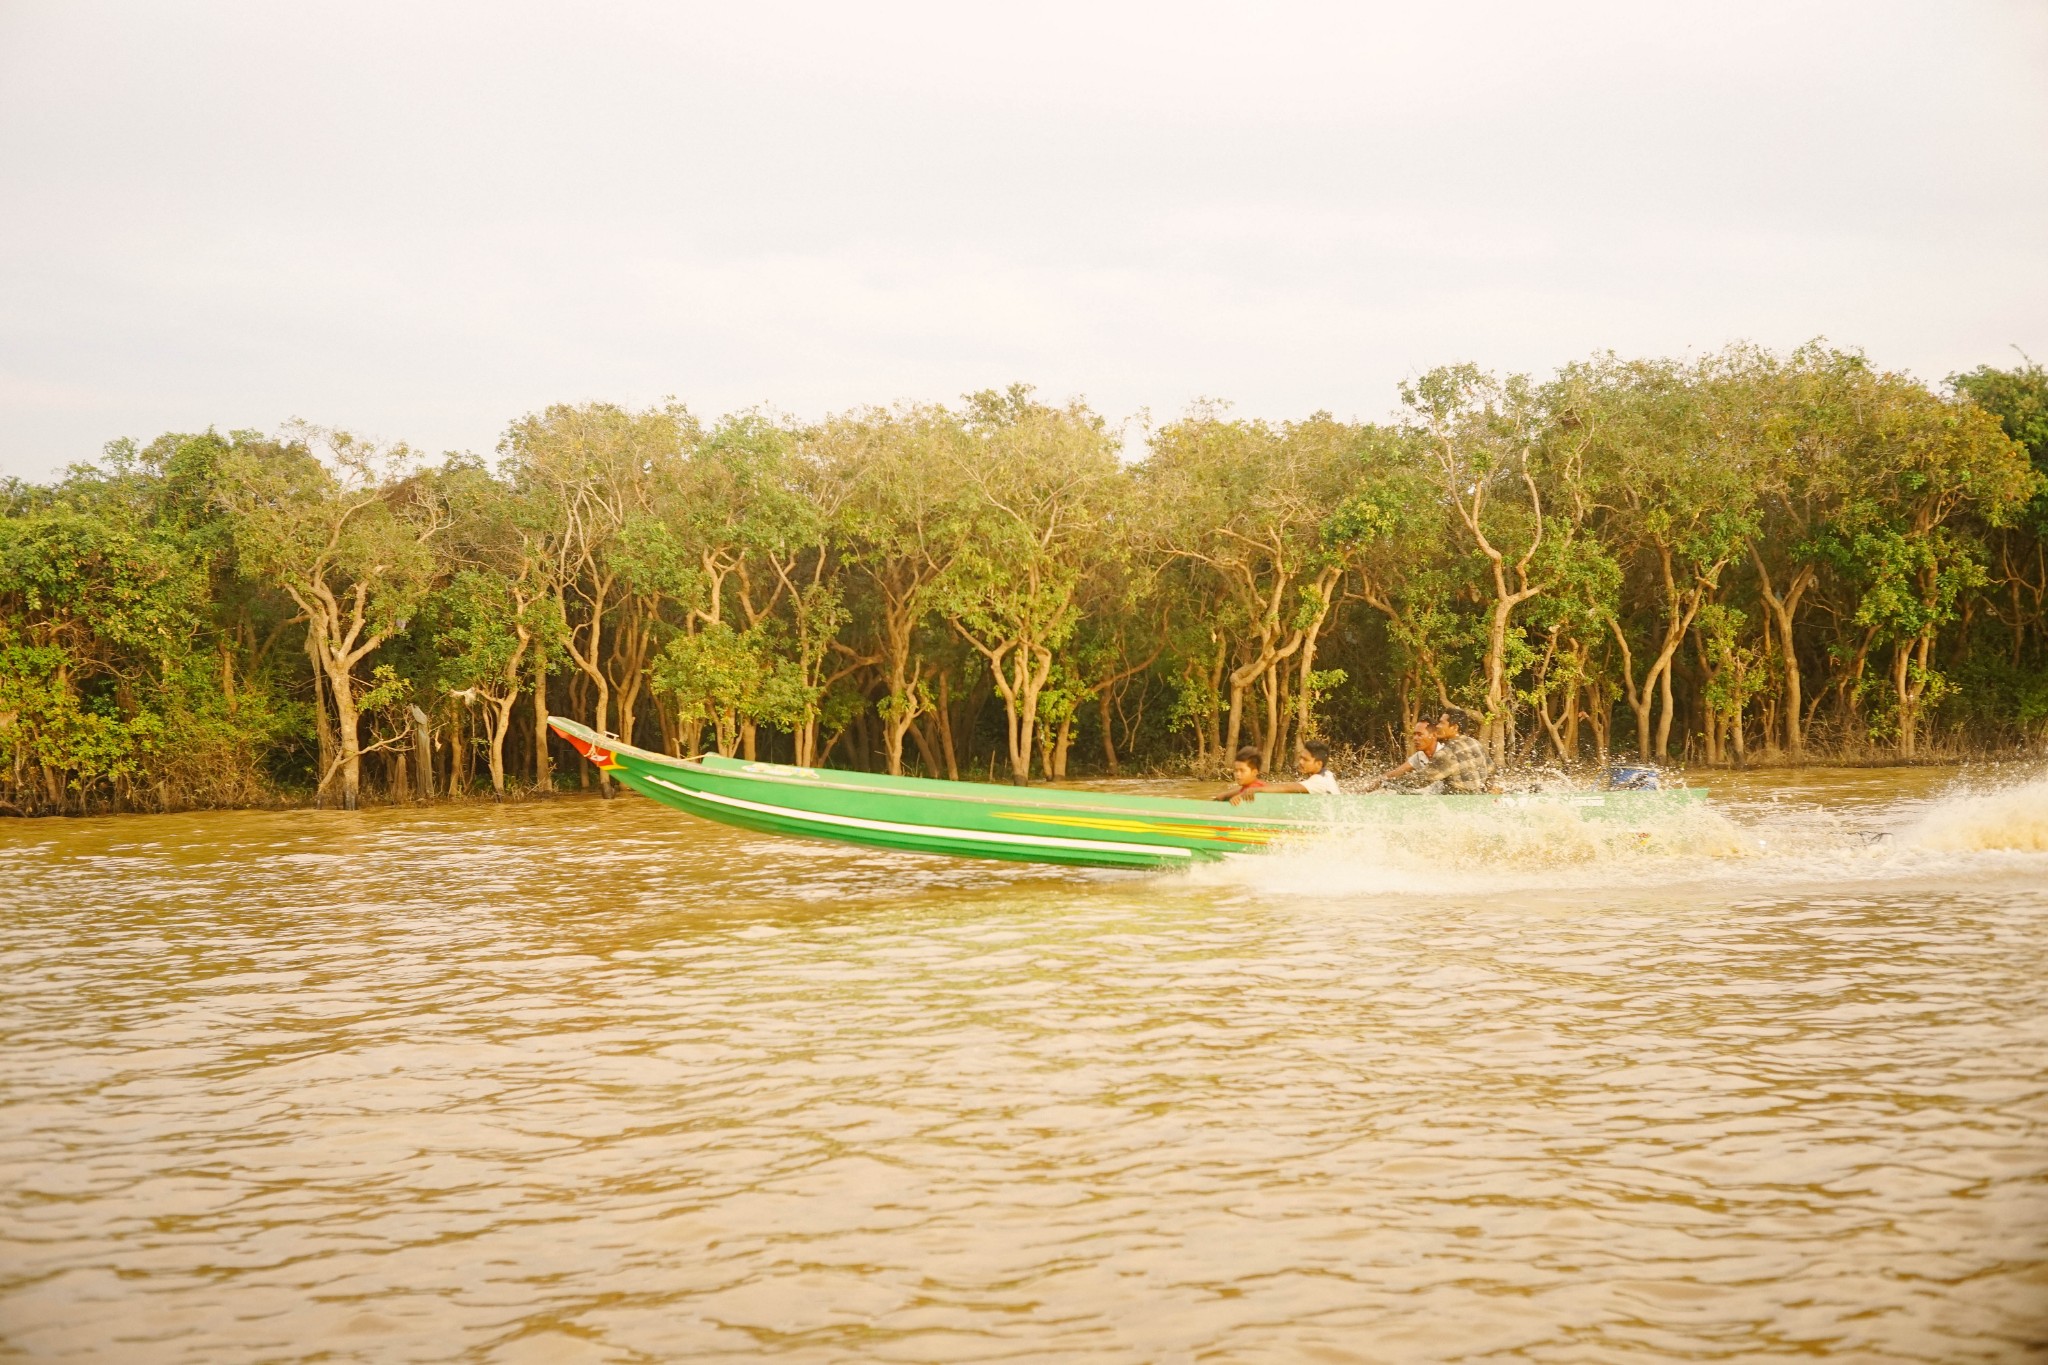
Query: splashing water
(1767, 838)
(2012, 819)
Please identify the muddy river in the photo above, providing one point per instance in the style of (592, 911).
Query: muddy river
(590, 1082)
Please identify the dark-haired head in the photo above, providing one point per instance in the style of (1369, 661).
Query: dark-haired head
(1250, 754)
(1318, 751)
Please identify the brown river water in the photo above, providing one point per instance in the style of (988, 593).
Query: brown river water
(583, 1081)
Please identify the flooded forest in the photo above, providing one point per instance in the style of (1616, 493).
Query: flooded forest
(1742, 558)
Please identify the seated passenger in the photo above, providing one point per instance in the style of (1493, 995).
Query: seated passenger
(1423, 737)
(1312, 761)
(1246, 773)
(1460, 763)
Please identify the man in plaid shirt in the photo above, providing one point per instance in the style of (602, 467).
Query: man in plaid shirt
(1460, 763)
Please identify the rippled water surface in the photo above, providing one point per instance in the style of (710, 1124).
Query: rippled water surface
(587, 1081)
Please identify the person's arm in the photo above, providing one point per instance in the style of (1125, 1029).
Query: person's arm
(1401, 769)
(1283, 787)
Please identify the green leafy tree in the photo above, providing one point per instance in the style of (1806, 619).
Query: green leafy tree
(349, 535)
(1674, 493)
(730, 679)
(1045, 481)
(1485, 437)
(592, 470)
(1274, 517)
(900, 525)
(1900, 538)
(2018, 398)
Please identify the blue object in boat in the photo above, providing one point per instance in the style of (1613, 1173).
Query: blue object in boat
(1632, 779)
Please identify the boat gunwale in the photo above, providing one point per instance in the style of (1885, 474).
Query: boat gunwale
(972, 798)
(1232, 817)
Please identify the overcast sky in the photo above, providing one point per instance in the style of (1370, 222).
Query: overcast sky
(419, 220)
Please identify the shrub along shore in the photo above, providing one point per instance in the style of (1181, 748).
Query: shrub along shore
(1746, 557)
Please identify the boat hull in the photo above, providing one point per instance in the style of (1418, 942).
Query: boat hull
(1017, 824)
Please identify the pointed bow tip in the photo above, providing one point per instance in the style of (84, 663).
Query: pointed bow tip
(581, 740)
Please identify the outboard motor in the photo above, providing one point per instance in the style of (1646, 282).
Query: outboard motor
(1632, 780)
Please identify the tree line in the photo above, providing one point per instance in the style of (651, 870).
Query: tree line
(1747, 555)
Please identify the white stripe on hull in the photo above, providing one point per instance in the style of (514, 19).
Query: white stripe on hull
(924, 831)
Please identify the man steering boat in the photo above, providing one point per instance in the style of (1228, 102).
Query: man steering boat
(1445, 760)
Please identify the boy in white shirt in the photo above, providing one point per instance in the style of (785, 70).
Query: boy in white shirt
(1312, 761)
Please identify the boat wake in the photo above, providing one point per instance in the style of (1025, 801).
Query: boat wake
(1971, 830)
(2010, 819)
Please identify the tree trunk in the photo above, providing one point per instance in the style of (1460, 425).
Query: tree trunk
(423, 751)
(1029, 666)
(1850, 687)
(1212, 719)
(1908, 658)
(325, 773)
(1027, 729)
(1782, 610)
(1272, 736)
(1655, 687)
(579, 695)
(1639, 699)
(899, 621)
(1305, 721)
(348, 734)
(1228, 748)
(945, 724)
(1551, 727)
(895, 725)
(1664, 712)
(543, 774)
(591, 667)
(461, 761)
(1500, 720)
(970, 714)
(927, 752)
(1241, 679)
(502, 724)
(1571, 715)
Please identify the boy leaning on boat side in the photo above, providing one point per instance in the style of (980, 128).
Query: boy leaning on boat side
(1312, 761)
(1244, 775)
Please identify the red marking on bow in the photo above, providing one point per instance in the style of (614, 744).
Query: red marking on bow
(596, 753)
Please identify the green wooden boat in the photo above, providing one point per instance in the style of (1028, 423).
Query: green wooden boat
(1030, 824)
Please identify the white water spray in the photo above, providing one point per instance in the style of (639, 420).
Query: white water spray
(1755, 844)
(2011, 819)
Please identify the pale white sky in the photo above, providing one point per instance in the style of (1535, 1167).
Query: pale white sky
(420, 220)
